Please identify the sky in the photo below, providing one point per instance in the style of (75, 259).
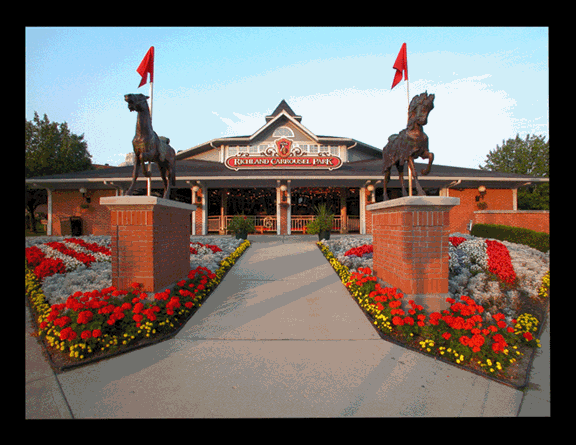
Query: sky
(490, 84)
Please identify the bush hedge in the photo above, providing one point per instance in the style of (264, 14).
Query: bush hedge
(518, 235)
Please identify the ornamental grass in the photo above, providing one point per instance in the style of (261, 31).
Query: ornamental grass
(463, 334)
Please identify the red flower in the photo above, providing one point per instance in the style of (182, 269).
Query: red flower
(86, 335)
(456, 240)
(62, 321)
(359, 251)
(67, 334)
(446, 335)
(398, 321)
(527, 336)
(499, 262)
(85, 317)
(96, 333)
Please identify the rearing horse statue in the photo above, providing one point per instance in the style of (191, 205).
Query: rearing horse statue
(148, 147)
(411, 143)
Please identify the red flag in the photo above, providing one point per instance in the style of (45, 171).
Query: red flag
(401, 65)
(147, 66)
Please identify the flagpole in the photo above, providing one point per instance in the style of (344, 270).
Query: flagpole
(408, 120)
(148, 178)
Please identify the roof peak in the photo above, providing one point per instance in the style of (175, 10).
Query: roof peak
(283, 106)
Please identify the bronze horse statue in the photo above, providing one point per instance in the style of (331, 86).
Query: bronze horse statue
(411, 143)
(148, 147)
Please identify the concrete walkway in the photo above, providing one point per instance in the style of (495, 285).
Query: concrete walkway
(280, 337)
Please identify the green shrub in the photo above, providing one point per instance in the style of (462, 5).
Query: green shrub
(518, 235)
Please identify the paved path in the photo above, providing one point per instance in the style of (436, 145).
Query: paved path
(280, 337)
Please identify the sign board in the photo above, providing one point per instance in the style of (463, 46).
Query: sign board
(283, 156)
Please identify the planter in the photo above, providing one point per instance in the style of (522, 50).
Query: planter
(324, 234)
(241, 235)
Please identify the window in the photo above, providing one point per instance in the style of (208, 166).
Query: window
(335, 151)
(312, 149)
(233, 151)
(283, 132)
(253, 149)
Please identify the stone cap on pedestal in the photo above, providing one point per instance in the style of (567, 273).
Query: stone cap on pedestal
(145, 200)
(413, 201)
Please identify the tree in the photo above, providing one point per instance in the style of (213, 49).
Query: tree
(51, 149)
(529, 156)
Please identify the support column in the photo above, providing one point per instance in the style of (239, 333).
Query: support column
(223, 207)
(282, 212)
(150, 241)
(362, 203)
(343, 210)
(410, 239)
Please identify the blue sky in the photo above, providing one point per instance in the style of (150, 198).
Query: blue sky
(490, 83)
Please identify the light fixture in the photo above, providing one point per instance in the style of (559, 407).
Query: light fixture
(283, 189)
(482, 191)
(83, 191)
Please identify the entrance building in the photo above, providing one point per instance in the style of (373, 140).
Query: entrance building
(276, 176)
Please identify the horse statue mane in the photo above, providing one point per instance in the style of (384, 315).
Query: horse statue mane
(148, 147)
(410, 144)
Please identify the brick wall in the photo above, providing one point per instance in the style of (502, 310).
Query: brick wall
(149, 243)
(538, 220)
(95, 219)
(495, 199)
(411, 243)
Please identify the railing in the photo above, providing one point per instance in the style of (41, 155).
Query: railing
(267, 223)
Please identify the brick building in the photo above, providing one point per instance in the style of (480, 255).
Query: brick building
(276, 175)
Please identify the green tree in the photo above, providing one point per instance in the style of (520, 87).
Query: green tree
(51, 149)
(529, 156)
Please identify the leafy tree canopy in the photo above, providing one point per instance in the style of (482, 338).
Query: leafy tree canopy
(529, 156)
(52, 149)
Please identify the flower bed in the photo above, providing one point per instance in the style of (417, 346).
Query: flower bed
(501, 276)
(464, 334)
(96, 323)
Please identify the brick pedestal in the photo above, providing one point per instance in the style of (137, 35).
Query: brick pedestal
(150, 241)
(411, 246)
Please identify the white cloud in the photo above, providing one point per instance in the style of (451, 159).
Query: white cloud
(243, 125)
(469, 117)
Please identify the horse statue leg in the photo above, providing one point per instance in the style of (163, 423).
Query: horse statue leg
(386, 180)
(130, 191)
(400, 168)
(430, 157)
(163, 169)
(415, 177)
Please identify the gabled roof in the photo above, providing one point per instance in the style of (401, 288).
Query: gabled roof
(283, 106)
(282, 112)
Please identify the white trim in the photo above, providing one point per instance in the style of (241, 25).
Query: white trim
(278, 210)
(362, 210)
(289, 212)
(240, 178)
(49, 228)
(144, 200)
